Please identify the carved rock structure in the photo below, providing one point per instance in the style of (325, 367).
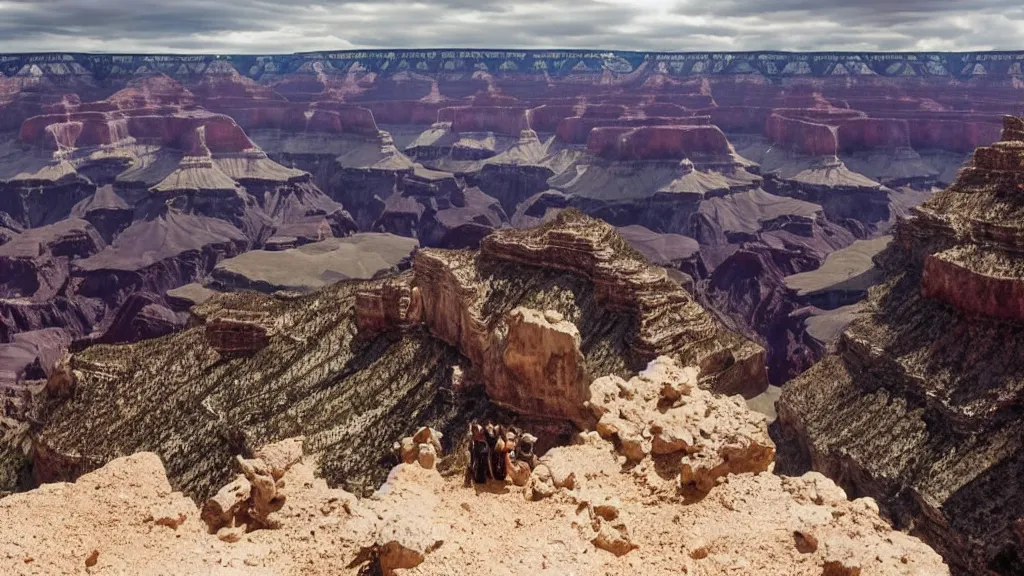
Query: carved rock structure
(538, 361)
(920, 406)
(181, 162)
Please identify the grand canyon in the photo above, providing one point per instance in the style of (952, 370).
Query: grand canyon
(767, 302)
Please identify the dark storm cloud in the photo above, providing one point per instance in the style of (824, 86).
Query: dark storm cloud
(262, 26)
(869, 24)
(877, 11)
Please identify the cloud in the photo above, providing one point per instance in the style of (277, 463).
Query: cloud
(264, 26)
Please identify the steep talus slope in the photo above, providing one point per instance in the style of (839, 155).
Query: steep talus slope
(179, 397)
(527, 321)
(921, 405)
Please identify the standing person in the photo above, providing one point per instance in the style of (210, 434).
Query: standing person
(479, 464)
(524, 450)
(499, 455)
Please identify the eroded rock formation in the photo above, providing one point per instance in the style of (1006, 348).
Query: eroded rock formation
(920, 405)
(445, 146)
(538, 360)
(139, 192)
(527, 321)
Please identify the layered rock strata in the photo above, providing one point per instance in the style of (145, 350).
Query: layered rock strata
(536, 361)
(446, 145)
(528, 321)
(138, 193)
(920, 405)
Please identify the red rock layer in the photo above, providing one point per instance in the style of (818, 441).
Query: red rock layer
(577, 130)
(868, 133)
(802, 136)
(500, 119)
(978, 216)
(972, 291)
(160, 127)
(659, 143)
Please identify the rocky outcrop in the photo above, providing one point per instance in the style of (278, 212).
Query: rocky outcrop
(976, 219)
(394, 305)
(669, 321)
(536, 360)
(919, 405)
(252, 500)
(544, 370)
(662, 412)
(597, 515)
(238, 334)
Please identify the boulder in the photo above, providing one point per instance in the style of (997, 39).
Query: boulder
(280, 456)
(543, 365)
(709, 436)
(222, 508)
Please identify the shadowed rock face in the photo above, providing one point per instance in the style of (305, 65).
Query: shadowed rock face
(920, 406)
(350, 365)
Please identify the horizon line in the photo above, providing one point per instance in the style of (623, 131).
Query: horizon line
(527, 50)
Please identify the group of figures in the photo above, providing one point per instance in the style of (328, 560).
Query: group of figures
(498, 453)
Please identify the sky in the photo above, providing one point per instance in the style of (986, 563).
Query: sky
(284, 26)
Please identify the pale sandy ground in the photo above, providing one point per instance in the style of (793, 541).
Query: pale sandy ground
(600, 515)
(746, 525)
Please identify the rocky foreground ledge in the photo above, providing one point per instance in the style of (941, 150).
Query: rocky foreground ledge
(690, 493)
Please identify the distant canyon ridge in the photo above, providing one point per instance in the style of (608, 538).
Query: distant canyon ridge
(135, 186)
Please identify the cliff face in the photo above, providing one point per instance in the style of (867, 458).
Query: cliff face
(920, 406)
(532, 344)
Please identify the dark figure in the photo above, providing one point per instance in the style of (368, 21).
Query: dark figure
(524, 450)
(479, 467)
(496, 442)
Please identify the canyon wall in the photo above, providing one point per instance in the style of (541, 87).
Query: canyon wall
(920, 404)
(448, 145)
